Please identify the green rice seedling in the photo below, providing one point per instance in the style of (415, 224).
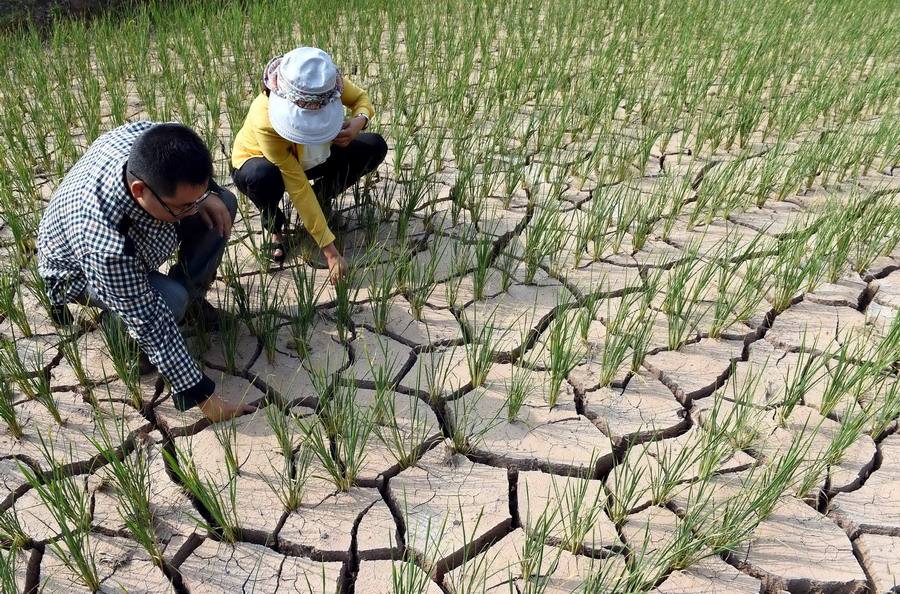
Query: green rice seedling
(68, 501)
(229, 331)
(742, 423)
(131, 476)
(12, 535)
(508, 265)
(536, 561)
(617, 341)
(543, 236)
(12, 307)
(565, 353)
(470, 426)
(34, 383)
(884, 408)
(265, 324)
(345, 291)
(714, 446)
(219, 501)
(420, 281)
(876, 233)
(789, 271)
(289, 484)
(854, 422)
(682, 303)
(578, 511)
(587, 314)
(8, 412)
(123, 350)
(403, 443)
(671, 470)
(339, 439)
(480, 353)
(226, 435)
(737, 297)
(800, 378)
(518, 388)
(484, 249)
(627, 486)
(304, 314)
(381, 290)
(382, 369)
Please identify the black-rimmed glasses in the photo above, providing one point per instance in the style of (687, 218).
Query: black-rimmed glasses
(181, 211)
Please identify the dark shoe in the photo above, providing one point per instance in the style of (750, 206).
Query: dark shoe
(144, 365)
(202, 313)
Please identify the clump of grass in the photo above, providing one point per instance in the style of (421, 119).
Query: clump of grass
(380, 293)
(68, 501)
(517, 390)
(12, 307)
(682, 303)
(219, 501)
(34, 383)
(304, 314)
(404, 444)
(123, 350)
(8, 412)
(131, 475)
(339, 438)
(480, 353)
(800, 378)
(290, 479)
(345, 291)
(543, 236)
(565, 353)
(469, 427)
(12, 535)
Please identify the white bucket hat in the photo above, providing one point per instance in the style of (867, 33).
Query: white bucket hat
(305, 96)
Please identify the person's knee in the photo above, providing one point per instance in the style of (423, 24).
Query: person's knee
(173, 293)
(378, 149)
(230, 201)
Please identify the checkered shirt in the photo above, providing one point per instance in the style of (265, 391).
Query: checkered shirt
(94, 234)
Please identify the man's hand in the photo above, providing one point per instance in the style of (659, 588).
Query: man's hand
(349, 131)
(217, 409)
(337, 266)
(216, 216)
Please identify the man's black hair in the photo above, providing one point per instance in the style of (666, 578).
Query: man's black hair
(167, 155)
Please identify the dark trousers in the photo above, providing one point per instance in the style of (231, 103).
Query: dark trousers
(261, 181)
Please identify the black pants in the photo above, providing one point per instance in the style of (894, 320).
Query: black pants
(260, 180)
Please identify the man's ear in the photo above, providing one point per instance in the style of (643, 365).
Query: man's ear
(137, 188)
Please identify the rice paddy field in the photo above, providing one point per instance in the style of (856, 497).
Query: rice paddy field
(621, 314)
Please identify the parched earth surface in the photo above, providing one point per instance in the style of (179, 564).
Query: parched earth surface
(465, 515)
(453, 489)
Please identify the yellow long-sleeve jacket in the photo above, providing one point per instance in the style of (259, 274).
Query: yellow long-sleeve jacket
(257, 138)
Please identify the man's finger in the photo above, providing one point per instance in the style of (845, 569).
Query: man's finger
(206, 218)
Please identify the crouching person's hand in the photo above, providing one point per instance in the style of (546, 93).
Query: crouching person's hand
(217, 409)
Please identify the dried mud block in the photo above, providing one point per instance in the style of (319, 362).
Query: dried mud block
(502, 568)
(806, 423)
(711, 237)
(824, 327)
(218, 567)
(775, 218)
(888, 290)
(601, 276)
(881, 317)
(439, 372)
(324, 523)
(288, 374)
(376, 356)
(644, 409)
(798, 549)
(874, 507)
(245, 349)
(710, 576)
(514, 313)
(68, 442)
(389, 577)
(555, 439)
(435, 325)
(173, 513)
(564, 499)
(448, 502)
(259, 458)
(402, 423)
(695, 370)
(376, 528)
(122, 566)
(846, 292)
(11, 478)
(880, 555)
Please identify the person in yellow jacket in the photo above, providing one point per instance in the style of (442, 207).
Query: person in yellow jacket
(294, 132)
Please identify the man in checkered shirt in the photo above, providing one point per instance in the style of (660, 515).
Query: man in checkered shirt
(137, 193)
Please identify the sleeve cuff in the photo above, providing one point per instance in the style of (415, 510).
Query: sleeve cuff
(194, 395)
